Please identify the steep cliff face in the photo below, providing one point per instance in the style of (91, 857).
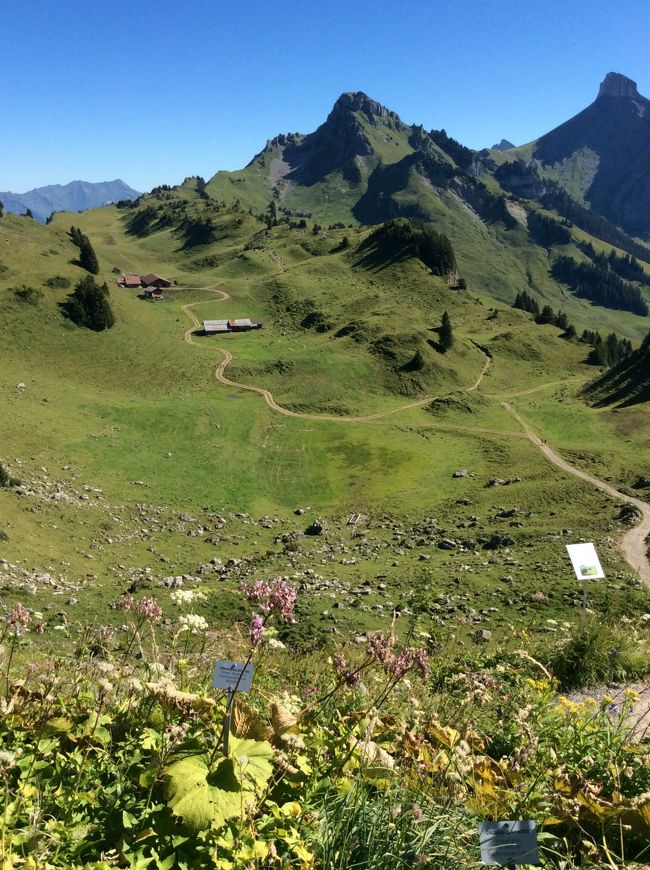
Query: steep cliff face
(613, 135)
(340, 143)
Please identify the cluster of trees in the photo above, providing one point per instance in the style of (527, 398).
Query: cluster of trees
(546, 231)
(201, 187)
(524, 180)
(555, 197)
(625, 266)
(525, 302)
(595, 281)
(88, 305)
(403, 238)
(605, 352)
(87, 256)
(460, 154)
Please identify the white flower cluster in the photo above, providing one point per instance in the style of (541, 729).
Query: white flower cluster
(193, 622)
(181, 597)
(274, 643)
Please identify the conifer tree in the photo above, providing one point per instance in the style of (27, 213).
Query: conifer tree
(88, 305)
(87, 256)
(446, 332)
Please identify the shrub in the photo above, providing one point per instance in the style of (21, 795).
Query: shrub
(58, 282)
(6, 479)
(29, 295)
(598, 652)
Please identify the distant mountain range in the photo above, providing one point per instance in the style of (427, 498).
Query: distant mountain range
(75, 196)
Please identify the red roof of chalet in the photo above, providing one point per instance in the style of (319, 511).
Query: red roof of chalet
(149, 279)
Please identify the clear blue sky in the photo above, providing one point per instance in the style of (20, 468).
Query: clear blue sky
(154, 90)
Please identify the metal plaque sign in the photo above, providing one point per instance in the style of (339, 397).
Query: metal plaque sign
(508, 843)
(585, 561)
(234, 676)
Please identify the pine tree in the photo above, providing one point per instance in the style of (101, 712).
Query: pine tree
(547, 315)
(88, 305)
(446, 333)
(87, 256)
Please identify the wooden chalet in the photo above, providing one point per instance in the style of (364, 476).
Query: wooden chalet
(214, 326)
(154, 281)
(243, 324)
(132, 281)
(153, 294)
(240, 324)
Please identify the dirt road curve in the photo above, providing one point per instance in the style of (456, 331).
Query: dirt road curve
(633, 543)
(219, 374)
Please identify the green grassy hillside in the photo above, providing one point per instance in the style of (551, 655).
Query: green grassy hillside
(133, 456)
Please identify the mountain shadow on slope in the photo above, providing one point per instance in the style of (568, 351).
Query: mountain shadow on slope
(403, 239)
(627, 383)
(615, 129)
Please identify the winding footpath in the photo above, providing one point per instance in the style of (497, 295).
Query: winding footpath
(633, 543)
(219, 374)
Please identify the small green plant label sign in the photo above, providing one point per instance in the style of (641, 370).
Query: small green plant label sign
(234, 676)
(508, 843)
(585, 561)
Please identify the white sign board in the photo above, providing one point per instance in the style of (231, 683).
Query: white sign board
(232, 676)
(508, 843)
(585, 561)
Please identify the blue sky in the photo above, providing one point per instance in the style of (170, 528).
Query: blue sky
(154, 91)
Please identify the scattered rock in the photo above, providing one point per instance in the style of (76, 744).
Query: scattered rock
(318, 527)
(496, 541)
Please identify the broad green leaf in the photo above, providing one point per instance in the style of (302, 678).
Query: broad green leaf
(199, 804)
(252, 760)
(58, 725)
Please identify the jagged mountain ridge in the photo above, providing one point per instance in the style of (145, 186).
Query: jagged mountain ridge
(601, 157)
(74, 196)
(335, 162)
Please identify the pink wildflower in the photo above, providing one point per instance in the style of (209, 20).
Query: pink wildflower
(283, 600)
(278, 597)
(148, 608)
(422, 662)
(398, 665)
(378, 647)
(18, 617)
(259, 593)
(256, 629)
(349, 677)
(124, 603)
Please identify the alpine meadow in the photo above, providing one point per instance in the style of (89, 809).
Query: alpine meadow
(337, 415)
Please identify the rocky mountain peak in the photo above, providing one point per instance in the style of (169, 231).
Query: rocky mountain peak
(617, 85)
(357, 101)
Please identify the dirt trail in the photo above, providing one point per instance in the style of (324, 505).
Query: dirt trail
(633, 543)
(219, 374)
(537, 389)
